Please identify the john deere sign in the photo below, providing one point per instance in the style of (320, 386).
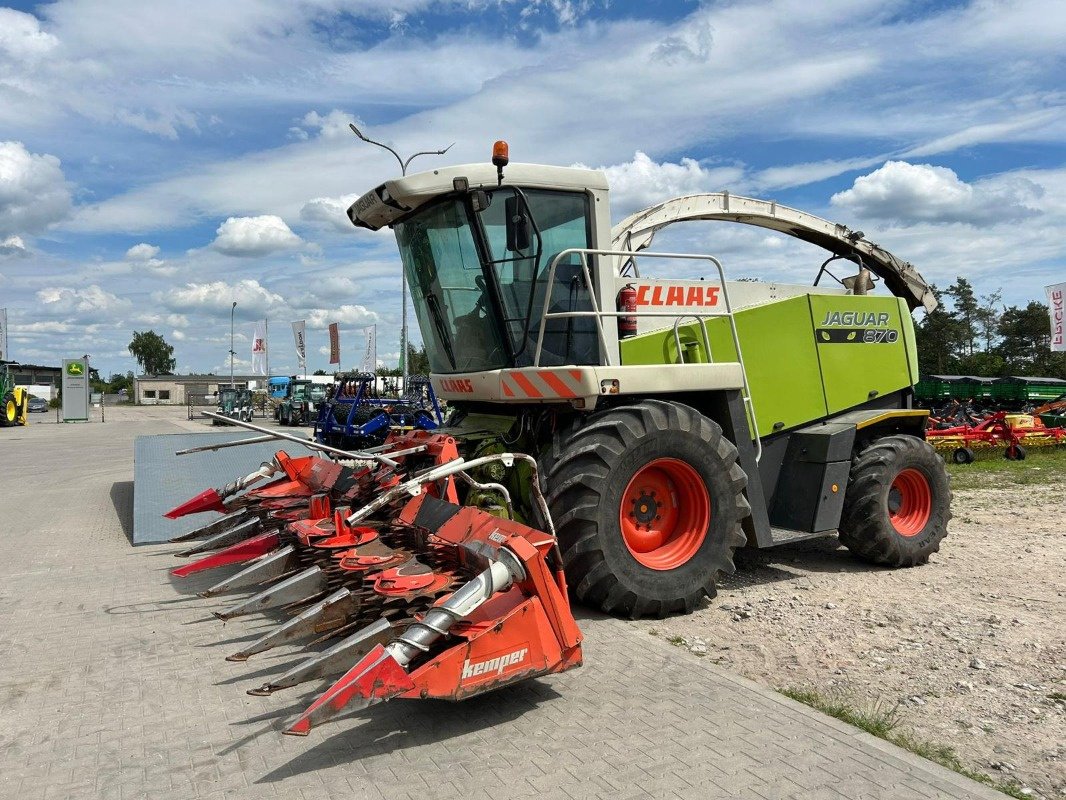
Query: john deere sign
(75, 390)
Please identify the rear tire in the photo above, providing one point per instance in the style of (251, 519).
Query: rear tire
(897, 504)
(647, 501)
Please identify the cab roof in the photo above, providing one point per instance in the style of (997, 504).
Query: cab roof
(397, 198)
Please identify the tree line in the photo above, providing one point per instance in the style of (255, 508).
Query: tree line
(971, 335)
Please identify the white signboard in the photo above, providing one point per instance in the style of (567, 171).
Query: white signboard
(1056, 301)
(75, 390)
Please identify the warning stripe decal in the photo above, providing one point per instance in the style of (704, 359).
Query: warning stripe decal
(542, 384)
(524, 383)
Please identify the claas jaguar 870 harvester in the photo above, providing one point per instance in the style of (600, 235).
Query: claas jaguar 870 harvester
(613, 436)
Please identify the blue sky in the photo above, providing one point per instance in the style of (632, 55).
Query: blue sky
(160, 160)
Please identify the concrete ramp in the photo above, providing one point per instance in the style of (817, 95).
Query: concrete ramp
(162, 480)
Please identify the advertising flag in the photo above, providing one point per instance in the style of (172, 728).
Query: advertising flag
(299, 331)
(259, 349)
(334, 343)
(3, 334)
(370, 357)
(1056, 302)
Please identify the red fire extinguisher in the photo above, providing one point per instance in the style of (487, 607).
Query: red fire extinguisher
(627, 302)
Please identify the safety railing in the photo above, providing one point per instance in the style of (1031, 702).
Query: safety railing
(612, 355)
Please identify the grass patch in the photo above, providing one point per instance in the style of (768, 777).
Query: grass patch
(1041, 465)
(883, 722)
(1057, 696)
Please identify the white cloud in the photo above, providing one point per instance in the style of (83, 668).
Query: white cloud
(912, 193)
(178, 335)
(254, 236)
(21, 37)
(142, 252)
(330, 211)
(330, 126)
(175, 320)
(216, 297)
(643, 182)
(33, 191)
(790, 175)
(13, 246)
(353, 315)
(90, 300)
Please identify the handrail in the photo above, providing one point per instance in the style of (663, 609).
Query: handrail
(706, 339)
(609, 355)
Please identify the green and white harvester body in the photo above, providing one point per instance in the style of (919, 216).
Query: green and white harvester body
(673, 420)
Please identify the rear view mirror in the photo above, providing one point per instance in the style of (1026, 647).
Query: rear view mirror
(517, 224)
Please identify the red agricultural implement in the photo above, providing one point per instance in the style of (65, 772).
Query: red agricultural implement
(1013, 432)
(419, 597)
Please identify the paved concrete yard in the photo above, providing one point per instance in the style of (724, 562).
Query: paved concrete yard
(114, 685)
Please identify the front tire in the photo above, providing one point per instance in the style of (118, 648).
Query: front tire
(897, 504)
(8, 411)
(647, 501)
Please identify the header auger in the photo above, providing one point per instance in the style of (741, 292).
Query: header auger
(667, 421)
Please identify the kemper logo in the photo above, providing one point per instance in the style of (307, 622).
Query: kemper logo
(493, 665)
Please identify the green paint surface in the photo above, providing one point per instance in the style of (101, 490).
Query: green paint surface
(795, 377)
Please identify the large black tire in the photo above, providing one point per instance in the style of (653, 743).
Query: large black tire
(9, 410)
(897, 504)
(588, 472)
(341, 412)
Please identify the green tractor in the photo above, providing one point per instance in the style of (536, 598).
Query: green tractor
(14, 400)
(302, 397)
(235, 404)
(674, 418)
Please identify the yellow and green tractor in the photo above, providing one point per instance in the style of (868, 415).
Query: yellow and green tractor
(14, 400)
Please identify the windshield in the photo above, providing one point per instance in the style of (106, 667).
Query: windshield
(299, 392)
(479, 303)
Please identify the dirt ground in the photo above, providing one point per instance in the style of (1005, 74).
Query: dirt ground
(969, 649)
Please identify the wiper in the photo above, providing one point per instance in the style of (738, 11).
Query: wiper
(438, 322)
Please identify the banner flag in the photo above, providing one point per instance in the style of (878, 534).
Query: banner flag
(259, 349)
(334, 343)
(370, 357)
(1056, 302)
(299, 331)
(3, 335)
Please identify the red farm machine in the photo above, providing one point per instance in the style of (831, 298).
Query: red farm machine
(612, 438)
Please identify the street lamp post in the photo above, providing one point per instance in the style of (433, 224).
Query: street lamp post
(403, 274)
(232, 352)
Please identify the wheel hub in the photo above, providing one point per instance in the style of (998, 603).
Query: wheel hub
(664, 514)
(645, 509)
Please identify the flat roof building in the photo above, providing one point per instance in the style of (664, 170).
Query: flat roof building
(183, 389)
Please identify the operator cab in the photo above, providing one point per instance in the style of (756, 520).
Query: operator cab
(477, 253)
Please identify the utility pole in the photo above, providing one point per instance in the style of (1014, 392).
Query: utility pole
(403, 273)
(232, 352)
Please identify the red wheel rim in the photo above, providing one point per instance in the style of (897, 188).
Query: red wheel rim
(910, 502)
(665, 513)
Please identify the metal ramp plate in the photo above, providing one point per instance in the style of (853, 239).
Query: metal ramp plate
(161, 479)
